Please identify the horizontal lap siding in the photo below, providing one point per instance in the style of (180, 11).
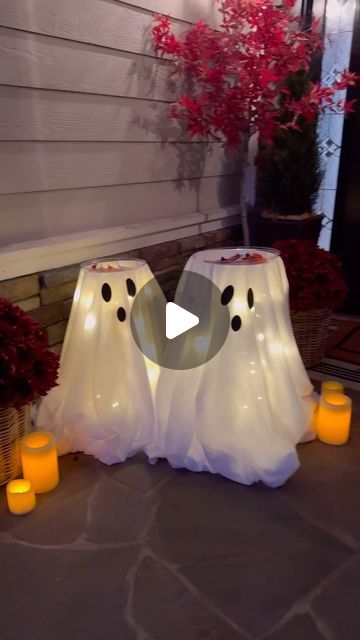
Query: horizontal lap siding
(121, 24)
(32, 60)
(189, 10)
(103, 23)
(69, 165)
(85, 138)
(49, 213)
(82, 209)
(35, 114)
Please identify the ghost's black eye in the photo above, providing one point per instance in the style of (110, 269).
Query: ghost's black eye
(250, 297)
(121, 314)
(227, 294)
(131, 288)
(106, 292)
(236, 323)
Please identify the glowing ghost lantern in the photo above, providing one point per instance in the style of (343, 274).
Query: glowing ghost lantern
(242, 413)
(104, 403)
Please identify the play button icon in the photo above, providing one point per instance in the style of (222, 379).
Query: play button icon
(185, 333)
(178, 320)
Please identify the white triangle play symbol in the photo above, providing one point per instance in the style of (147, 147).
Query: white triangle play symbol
(178, 320)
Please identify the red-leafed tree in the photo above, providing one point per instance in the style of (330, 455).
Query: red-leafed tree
(236, 74)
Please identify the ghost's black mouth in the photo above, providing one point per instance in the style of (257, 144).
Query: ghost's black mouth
(236, 323)
(121, 314)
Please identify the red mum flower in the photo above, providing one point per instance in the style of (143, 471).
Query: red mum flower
(315, 276)
(28, 368)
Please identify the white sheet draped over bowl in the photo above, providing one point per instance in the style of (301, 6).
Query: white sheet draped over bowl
(243, 412)
(104, 403)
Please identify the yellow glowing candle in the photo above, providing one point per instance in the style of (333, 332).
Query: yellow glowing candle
(20, 497)
(39, 461)
(331, 386)
(334, 416)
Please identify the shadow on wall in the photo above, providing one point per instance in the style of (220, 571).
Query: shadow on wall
(192, 155)
(229, 186)
(150, 71)
(159, 125)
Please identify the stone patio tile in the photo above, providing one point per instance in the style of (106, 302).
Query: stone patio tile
(139, 474)
(339, 604)
(232, 542)
(7, 521)
(117, 514)
(75, 462)
(169, 611)
(320, 458)
(58, 595)
(326, 486)
(60, 515)
(329, 498)
(298, 628)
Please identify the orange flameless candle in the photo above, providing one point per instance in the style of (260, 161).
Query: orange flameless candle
(39, 460)
(331, 386)
(334, 416)
(20, 496)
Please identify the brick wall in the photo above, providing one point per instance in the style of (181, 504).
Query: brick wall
(48, 296)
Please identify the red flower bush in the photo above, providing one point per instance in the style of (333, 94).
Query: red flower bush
(315, 276)
(236, 75)
(28, 368)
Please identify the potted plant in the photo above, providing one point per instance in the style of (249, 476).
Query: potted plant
(235, 76)
(317, 287)
(289, 178)
(28, 370)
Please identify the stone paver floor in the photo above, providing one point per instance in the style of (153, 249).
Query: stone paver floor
(135, 552)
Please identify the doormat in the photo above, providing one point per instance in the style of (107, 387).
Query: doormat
(344, 365)
(344, 343)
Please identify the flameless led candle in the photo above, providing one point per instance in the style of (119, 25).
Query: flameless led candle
(331, 386)
(39, 460)
(20, 497)
(333, 425)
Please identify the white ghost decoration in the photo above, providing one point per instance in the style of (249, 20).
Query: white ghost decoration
(242, 413)
(104, 403)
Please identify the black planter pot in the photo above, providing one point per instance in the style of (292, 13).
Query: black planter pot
(266, 231)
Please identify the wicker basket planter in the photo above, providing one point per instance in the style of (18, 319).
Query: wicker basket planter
(311, 330)
(14, 424)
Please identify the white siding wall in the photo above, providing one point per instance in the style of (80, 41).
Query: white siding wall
(85, 143)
